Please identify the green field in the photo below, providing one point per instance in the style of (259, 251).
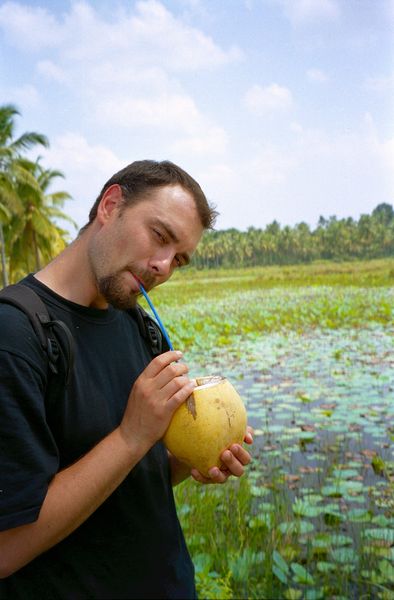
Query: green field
(310, 349)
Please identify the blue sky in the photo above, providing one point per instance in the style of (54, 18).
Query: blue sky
(281, 109)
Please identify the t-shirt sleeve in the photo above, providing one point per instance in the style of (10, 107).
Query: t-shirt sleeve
(28, 452)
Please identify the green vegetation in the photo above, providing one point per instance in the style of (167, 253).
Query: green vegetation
(221, 308)
(310, 349)
(29, 233)
(372, 236)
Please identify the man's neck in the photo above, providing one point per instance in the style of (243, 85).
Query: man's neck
(69, 275)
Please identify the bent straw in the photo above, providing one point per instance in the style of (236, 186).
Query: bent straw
(163, 329)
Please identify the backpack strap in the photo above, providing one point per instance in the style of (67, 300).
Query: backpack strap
(149, 330)
(26, 299)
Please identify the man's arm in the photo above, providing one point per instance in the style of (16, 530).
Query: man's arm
(77, 491)
(72, 496)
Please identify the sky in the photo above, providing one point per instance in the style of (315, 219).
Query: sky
(281, 109)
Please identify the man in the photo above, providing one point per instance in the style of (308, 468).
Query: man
(87, 509)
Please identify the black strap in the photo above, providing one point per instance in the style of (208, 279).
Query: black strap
(26, 299)
(149, 330)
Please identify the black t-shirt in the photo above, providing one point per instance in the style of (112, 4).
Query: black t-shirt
(132, 546)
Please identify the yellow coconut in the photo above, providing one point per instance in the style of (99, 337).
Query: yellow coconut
(212, 419)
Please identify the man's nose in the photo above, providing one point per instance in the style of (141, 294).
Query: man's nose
(162, 263)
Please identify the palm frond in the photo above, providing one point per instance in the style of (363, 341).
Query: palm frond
(29, 139)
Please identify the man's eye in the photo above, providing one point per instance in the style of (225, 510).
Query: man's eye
(159, 235)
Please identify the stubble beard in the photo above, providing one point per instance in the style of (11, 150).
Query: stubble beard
(112, 289)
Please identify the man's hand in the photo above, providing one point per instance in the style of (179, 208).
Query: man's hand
(234, 460)
(160, 389)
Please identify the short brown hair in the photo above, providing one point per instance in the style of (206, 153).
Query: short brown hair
(138, 178)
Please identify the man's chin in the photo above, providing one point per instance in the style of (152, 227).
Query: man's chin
(112, 288)
(123, 303)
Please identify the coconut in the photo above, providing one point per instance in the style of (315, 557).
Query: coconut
(211, 420)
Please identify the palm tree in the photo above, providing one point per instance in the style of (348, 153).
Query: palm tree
(33, 235)
(13, 171)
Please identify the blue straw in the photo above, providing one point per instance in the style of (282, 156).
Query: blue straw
(157, 316)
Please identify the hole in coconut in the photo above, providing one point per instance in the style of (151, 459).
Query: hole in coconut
(209, 381)
(202, 382)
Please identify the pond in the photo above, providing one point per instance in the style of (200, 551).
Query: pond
(322, 406)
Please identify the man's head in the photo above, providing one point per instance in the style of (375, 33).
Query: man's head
(146, 222)
(138, 179)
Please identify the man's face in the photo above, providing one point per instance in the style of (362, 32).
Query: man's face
(146, 241)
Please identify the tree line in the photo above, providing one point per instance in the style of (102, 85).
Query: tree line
(371, 236)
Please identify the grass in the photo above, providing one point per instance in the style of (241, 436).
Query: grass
(361, 273)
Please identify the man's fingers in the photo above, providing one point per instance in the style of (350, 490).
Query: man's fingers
(241, 454)
(249, 435)
(174, 386)
(216, 476)
(197, 476)
(161, 362)
(180, 395)
(235, 459)
(170, 373)
(232, 463)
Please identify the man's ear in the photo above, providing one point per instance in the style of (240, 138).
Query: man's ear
(111, 200)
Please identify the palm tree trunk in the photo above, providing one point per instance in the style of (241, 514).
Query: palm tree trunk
(3, 260)
(36, 252)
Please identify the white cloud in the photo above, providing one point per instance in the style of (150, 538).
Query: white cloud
(271, 166)
(305, 11)
(29, 28)
(179, 45)
(51, 71)
(174, 118)
(73, 150)
(86, 168)
(126, 69)
(147, 33)
(317, 75)
(263, 100)
(166, 111)
(212, 140)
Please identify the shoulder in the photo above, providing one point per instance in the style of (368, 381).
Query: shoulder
(18, 338)
(149, 330)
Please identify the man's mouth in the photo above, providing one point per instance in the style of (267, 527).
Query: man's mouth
(138, 280)
(148, 283)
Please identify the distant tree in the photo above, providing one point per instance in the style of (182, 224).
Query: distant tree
(384, 213)
(333, 239)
